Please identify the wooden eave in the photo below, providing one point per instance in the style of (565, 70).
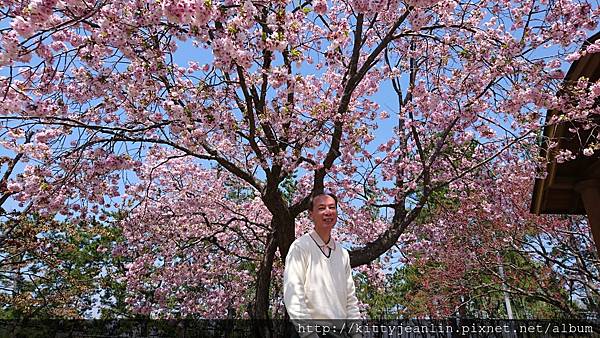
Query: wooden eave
(555, 193)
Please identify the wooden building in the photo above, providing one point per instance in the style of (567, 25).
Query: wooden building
(572, 187)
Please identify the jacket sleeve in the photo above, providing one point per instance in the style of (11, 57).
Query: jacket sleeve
(294, 276)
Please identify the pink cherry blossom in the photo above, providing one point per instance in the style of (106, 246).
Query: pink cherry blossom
(208, 124)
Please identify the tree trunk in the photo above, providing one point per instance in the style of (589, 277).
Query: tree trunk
(260, 312)
(281, 237)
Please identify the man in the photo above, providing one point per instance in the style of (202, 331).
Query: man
(317, 277)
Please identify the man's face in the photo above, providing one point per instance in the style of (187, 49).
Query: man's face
(324, 212)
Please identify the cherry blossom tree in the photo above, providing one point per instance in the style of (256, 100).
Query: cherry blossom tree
(195, 236)
(470, 258)
(51, 268)
(167, 108)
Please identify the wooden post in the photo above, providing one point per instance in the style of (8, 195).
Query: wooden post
(590, 194)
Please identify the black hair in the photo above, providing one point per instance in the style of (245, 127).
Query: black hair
(315, 195)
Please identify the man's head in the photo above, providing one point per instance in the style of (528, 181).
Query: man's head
(323, 210)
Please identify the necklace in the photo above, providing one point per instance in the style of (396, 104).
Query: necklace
(321, 247)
